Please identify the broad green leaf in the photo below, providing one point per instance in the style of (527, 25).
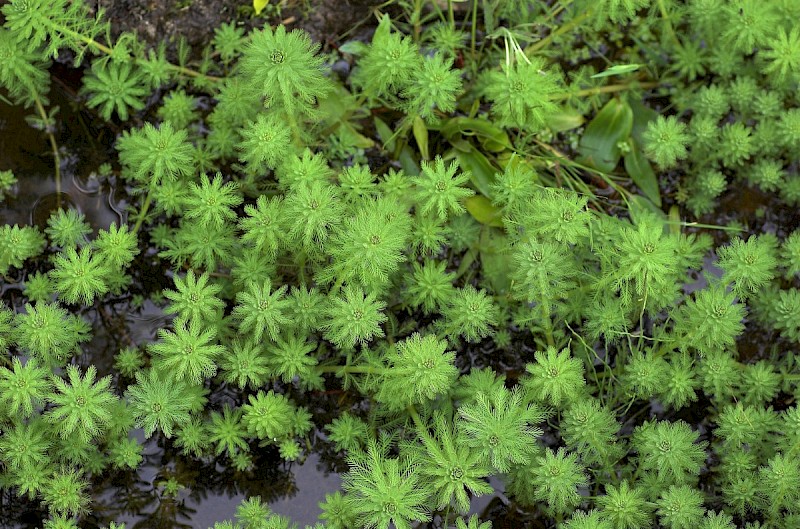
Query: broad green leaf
(389, 141)
(508, 161)
(382, 31)
(483, 211)
(642, 115)
(497, 267)
(618, 69)
(408, 162)
(599, 145)
(354, 47)
(385, 133)
(421, 136)
(639, 169)
(564, 120)
(492, 138)
(482, 172)
(641, 207)
(488, 16)
(259, 5)
(349, 136)
(461, 144)
(675, 220)
(339, 105)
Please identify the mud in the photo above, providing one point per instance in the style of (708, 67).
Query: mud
(195, 20)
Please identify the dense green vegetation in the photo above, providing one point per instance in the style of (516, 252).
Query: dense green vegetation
(537, 178)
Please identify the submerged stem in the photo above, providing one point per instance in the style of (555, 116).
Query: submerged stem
(53, 146)
(143, 212)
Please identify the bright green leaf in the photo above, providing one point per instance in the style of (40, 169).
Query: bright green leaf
(497, 267)
(483, 211)
(350, 137)
(564, 120)
(259, 5)
(421, 136)
(641, 207)
(642, 115)
(638, 168)
(385, 133)
(675, 220)
(482, 172)
(408, 162)
(383, 30)
(600, 145)
(354, 47)
(617, 69)
(492, 138)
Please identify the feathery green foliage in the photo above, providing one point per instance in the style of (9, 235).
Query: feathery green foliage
(22, 69)
(354, 318)
(115, 88)
(82, 407)
(439, 190)
(556, 378)
(188, 352)
(500, 427)
(286, 68)
(158, 403)
(469, 313)
(625, 507)
(18, 244)
(155, 154)
(453, 471)
(23, 387)
(418, 372)
(194, 298)
(384, 490)
(522, 92)
(262, 311)
(80, 276)
(463, 249)
(211, 203)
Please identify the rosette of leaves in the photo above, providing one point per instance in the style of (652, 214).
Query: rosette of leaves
(556, 378)
(354, 318)
(439, 190)
(368, 247)
(189, 352)
(115, 87)
(286, 68)
(82, 406)
(384, 491)
(500, 427)
(23, 73)
(522, 93)
(17, 244)
(419, 371)
(454, 471)
(154, 154)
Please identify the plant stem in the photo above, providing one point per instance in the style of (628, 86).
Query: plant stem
(546, 318)
(474, 29)
(366, 370)
(108, 51)
(415, 416)
(143, 212)
(415, 19)
(451, 19)
(670, 30)
(533, 48)
(608, 89)
(336, 286)
(53, 146)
